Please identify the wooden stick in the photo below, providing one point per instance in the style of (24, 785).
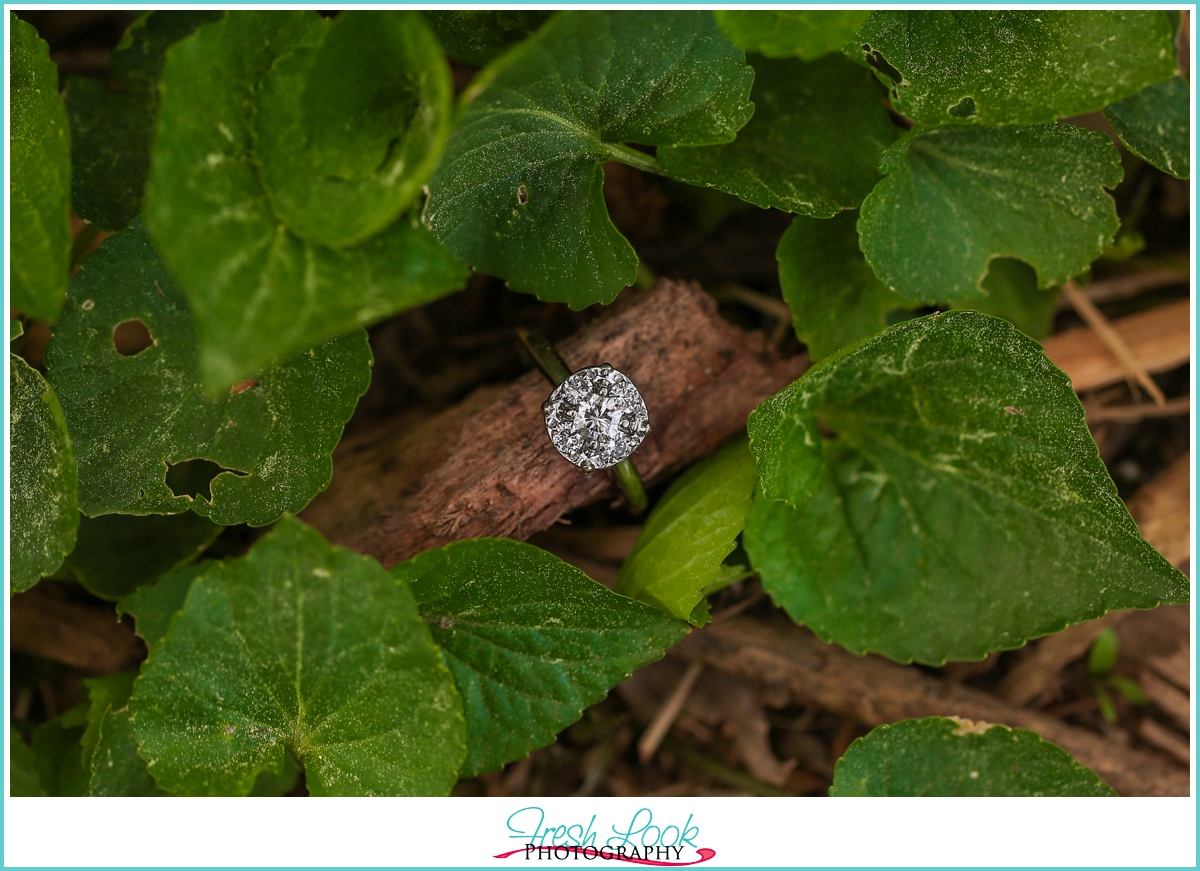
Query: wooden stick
(873, 690)
(1113, 340)
(83, 636)
(666, 715)
(1140, 411)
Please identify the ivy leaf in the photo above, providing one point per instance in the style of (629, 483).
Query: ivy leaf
(22, 768)
(271, 436)
(1013, 294)
(117, 553)
(55, 748)
(811, 147)
(153, 605)
(690, 532)
(531, 640)
(956, 197)
(476, 37)
(1015, 67)
(946, 756)
(115, 767)
(806, 34)
(519, 192)
(110, 691)
(347, 131)
(213, 222)
(44, 512)
(834, 296)
(112, 122)
(40, 171)
(962, 507)
(1155, 125)
(300, 648)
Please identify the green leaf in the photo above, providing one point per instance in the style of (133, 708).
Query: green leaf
(117, 553)
(1015, 67)
(347, 131)
(112, 121)
(15, 329)
(1102, 658)
(834, 296)
(1013, 294)
(258, 292)
(531, 641)
(22, 768)
(1155, 125)
(956, 197)
(811, 147)
(519, 193)
(270, 784)
(111, 691)
(55, 747)
(962, 507)
(806, 34)
(115, 768)
(40, 170)
(304, 648)
(689, 533)
(476, 37)
(951, 757)
(272, 435)
(153, 605)
(44, 513)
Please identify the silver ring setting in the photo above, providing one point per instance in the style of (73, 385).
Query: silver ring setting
(596, 418)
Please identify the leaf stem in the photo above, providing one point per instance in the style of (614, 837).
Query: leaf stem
(82, 243)
(632, 157)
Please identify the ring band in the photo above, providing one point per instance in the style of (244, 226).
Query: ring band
(595, 417)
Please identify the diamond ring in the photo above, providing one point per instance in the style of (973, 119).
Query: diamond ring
(595, 417)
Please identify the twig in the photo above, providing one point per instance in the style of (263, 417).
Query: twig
(663, 720)
(740, 606)
(720, 771)
(1139, 411)
(1124, 286)
(760, 302)
(1113, 340)
(88, 638)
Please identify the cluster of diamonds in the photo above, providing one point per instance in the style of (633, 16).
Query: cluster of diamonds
(596, 418)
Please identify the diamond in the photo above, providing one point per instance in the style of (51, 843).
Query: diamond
(596, 418)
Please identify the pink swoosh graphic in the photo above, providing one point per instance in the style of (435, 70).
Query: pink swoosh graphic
(704, 852)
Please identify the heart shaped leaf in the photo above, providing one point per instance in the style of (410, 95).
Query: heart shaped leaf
(1013, 294)
(40, 174)
(259, 292)
(690, 532)
(519, 193)
(946, 756)
(42, 502)
(531, 641)
(1155, 124)
(306, 649)
(811, 147)
(475, 37)
(962, 507)
(956, 197)
(270, 437)
(112, 122)
(1015, 66)
(803, 33)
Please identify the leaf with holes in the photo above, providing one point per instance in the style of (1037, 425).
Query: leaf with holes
(804, 33)
(961, 508)
(117, 553)
(42, 504)
(40, 169)
(834, 296)
(519, 193)
(112, 121)
(946, 756)
(956, 197)
(257, 290)
(531, 641)
(1013, 294)
(692, 529)
(475, 37)
(299, 648)
(134, 415)
(811, 147)
(1014, 66)
(1155, 124)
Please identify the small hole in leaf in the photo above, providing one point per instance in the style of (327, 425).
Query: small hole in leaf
(877, 60)
(964, 108)
(194, 477)
(131, 337)
(522, 195)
